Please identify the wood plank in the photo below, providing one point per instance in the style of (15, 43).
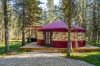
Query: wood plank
(36, 48)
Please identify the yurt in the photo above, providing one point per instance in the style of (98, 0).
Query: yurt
(55, 35)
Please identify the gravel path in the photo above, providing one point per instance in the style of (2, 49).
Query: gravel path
(40, 59)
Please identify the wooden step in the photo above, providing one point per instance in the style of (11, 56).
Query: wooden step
(60, 49)
(36, 48)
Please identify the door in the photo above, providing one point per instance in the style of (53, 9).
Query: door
(48, 38)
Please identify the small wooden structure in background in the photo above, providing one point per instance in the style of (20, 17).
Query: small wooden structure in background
(55, 35)
(32, 31)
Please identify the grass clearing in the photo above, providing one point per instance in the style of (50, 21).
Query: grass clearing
(90, 57)
(13, 46)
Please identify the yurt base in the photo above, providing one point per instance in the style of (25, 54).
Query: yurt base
(36, 48)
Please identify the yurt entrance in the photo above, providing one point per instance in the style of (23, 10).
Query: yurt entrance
(48, 38)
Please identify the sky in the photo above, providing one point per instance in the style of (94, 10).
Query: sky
(56, 2)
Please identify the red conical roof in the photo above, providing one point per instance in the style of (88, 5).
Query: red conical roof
(60, 24)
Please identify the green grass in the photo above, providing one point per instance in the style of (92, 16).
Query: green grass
(90, 57)
(98, 42)
(98, 45)
(13, 46)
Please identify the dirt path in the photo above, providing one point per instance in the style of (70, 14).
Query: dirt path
(40, 59)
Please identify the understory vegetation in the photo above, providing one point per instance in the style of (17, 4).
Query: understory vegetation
(13, 45)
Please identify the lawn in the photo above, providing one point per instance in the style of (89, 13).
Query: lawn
(90, 57)
(13, 45)
(98, 45)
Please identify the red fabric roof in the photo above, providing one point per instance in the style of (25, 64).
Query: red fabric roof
(60, 24)
(55, 25)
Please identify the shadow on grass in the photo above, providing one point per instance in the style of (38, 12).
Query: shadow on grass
(13, 46)
(98, 45)
(90, 58)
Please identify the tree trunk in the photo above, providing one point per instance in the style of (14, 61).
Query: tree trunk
(30, 31)
(94, 19)
(6, 26)
(69, 38)
(23, 27)
(69, 49)
(67, 4)
(23, 35)
(2, 36)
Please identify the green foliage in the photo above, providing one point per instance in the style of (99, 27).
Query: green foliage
(69, 8)
(98, 42)
(32, 11)
(13, 45)
(51, 15)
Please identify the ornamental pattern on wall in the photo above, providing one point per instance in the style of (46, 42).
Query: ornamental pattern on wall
(59, 36)
(63, 36)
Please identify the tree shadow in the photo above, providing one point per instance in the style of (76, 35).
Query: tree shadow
(41, 59)
(31, 61)
(13, 46)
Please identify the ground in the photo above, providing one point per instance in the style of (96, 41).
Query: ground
(40, 59)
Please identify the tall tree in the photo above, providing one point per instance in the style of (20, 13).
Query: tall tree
(28, 14)
(67, 9)
(94, 21)
(23, 24)
(6, 26)
(51, 8)
(1, 22)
